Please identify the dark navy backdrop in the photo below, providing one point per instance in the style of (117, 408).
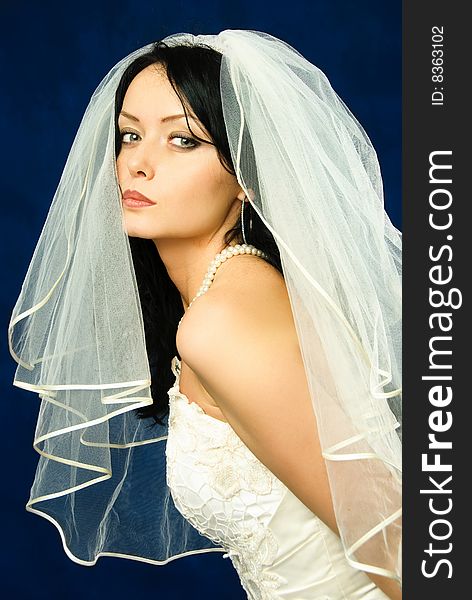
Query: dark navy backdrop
(53, 56)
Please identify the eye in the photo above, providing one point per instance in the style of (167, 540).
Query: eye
(124, 132)
(189, 142)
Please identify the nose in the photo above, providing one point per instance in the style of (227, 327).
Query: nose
(139, 163)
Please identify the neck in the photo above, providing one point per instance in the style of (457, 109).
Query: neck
(187, 263)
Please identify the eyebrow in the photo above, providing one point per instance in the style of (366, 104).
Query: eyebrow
(163, 120)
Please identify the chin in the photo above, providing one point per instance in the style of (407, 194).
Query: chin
(136, 227)
(136, 233)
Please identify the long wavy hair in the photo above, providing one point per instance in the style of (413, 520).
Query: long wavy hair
(194, 73)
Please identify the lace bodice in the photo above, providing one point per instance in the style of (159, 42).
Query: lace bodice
(279, 548)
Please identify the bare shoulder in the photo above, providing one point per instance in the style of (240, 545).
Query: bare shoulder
(241, 343)
(250, 297)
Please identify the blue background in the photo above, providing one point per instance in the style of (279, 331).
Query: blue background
(53, 56)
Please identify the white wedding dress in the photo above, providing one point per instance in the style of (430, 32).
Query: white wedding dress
(279, 548)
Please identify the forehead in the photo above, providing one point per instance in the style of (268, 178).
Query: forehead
(149, 84)
(151, 98)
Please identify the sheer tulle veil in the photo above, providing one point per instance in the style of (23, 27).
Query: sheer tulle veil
(76, 331)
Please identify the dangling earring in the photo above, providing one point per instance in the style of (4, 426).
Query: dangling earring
(242, 219)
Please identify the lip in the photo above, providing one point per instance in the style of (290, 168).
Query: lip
(133, 199)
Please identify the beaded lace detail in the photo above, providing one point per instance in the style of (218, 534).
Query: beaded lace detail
(233, 504)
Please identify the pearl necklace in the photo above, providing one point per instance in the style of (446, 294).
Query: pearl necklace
(220, 258)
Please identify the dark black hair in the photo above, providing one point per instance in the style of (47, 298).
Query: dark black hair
(194, 73)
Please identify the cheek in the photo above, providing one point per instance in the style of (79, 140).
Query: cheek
(119, 170)
(206, 177)
(192, 187)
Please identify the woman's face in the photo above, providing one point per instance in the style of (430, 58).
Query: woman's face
(193, 195)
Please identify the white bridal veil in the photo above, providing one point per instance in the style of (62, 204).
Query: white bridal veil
(77, 333)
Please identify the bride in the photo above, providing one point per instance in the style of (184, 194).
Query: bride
(245, 315)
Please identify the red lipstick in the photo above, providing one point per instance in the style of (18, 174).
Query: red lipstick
(133, 199)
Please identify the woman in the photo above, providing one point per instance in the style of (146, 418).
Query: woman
(245, 184)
